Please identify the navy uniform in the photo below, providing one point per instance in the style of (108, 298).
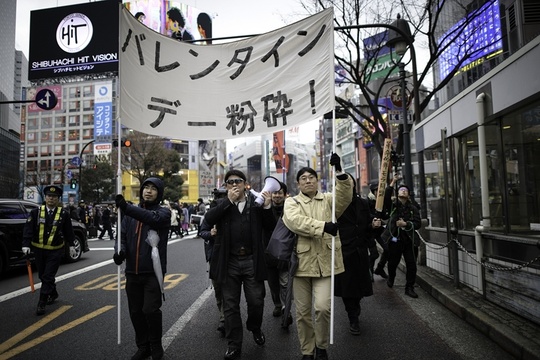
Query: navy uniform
(45, 231)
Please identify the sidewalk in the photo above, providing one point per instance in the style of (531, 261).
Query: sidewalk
(515, 334)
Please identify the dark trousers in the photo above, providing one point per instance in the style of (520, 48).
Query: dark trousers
(107, 227)
(273, 284)
(47, 264)
(241, 272)
(352, 306)
(395, 251)
(144, 302)
(384, 255)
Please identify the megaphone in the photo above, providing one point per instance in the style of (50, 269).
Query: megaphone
(271, 184)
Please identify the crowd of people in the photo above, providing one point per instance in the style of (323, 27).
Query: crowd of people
(236, 230)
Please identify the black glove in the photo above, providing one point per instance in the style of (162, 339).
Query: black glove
(335, 161)
(120, 202)
(119, 257)
(331, 228)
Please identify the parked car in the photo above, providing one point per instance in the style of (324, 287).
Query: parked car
(13, 215)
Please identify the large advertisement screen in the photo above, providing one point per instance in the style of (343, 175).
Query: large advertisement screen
(73, 40)
(172, 18)
(480, 38)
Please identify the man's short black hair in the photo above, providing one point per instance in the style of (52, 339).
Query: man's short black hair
(304, 170)
(236, 172)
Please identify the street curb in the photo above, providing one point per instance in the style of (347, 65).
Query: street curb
(468, 305)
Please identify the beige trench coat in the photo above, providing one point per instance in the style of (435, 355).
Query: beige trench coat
(306, 218)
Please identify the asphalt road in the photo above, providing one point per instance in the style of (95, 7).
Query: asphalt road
(83, 323)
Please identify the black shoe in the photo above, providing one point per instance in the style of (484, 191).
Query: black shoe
(277, 311)
(390, 282)
(258, 336)
(380, 271)
(354, 328)
(232, 353)
(143, 353)
(40, 308)
(52, 298)
(157, 352)
(307, 357)
(320, 354)
(221, 329)
(410, 292)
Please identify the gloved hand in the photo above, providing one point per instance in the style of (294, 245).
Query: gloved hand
(120, 202)
(335, 160)
(72, 251)
(26, 250)
(331, 228)
(119, 257)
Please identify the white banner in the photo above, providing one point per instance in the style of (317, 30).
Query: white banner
(250, 87)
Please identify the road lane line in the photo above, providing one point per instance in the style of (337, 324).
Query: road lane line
(33, 328)
(19, 349)
(179, 325)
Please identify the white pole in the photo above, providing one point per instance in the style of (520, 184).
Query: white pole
(332, 279)
(119, 191)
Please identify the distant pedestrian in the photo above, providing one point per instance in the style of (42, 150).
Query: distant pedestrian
(107, 224)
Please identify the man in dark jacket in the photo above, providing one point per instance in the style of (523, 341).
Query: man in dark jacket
(46, 229)
(143, 289)
(401, 236)
(238, 258)
(106, 222)
(355, 227)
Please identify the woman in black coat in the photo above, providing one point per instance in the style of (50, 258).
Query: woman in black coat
(354, 231)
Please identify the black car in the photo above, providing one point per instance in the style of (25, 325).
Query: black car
(13, 215)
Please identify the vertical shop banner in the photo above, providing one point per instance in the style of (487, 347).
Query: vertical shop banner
(281, 159)
(103, 112)
(250, 87)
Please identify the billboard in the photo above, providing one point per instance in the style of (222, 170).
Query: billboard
(73, 40)
(480, 39)
(172, 18)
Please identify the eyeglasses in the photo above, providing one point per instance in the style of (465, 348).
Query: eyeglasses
(234, 181)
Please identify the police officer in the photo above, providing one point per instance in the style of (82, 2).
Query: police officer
(46, 230)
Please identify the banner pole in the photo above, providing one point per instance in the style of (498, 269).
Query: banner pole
(332, 269)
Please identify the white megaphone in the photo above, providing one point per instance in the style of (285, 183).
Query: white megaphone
(271, 184)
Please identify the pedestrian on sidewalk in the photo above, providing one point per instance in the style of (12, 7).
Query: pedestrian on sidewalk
(400, 234)
(355, 227)
(106, 222)
(142, 285)
(310, 217)
(238, 258)
(45, 230)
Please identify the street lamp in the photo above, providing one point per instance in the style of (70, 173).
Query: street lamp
(80, 167)
(399, 37)
(399, 41)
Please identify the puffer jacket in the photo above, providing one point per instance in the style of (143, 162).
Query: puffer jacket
(306, 218)
(136, 222)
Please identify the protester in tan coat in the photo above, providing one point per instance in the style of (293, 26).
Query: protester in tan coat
(311, 218)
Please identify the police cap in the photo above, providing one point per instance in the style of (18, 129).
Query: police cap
(53, 190)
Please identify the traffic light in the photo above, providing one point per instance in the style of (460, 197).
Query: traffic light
(124, 143)
(73, 184)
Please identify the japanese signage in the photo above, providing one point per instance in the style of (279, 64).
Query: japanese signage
(103, 111)
(243, 88)
(73, 40)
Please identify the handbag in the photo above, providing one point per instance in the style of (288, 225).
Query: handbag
(282, 242)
